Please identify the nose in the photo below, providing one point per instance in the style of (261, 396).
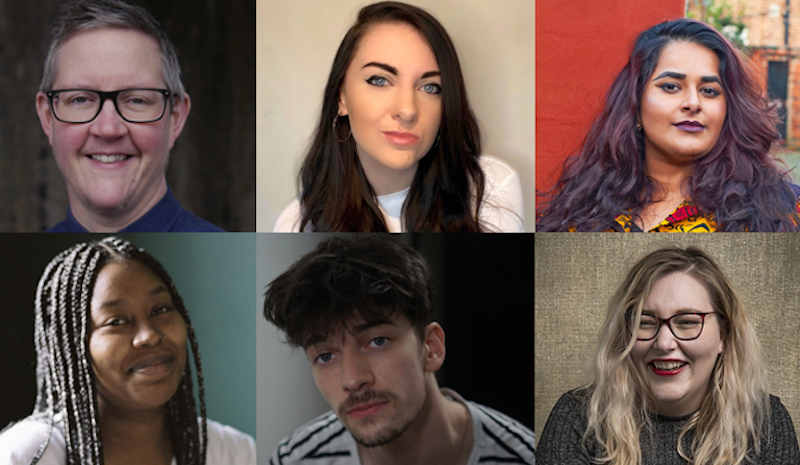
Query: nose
(108, 123)
(665, 340)
(692, 102)
(356, 371)
(147, 335)
(406, 109)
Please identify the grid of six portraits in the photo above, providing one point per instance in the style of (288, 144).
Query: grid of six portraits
(176, 319)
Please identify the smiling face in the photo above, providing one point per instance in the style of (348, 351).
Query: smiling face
(130, 183)
(392, 96)
(137, 341)
(683, 106)
(678, 372)
(374, 376)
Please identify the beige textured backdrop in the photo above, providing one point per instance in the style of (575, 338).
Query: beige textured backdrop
(576, 274)
(295, 46)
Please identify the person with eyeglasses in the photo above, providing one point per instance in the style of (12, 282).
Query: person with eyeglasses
(112, 104)
(678, 378)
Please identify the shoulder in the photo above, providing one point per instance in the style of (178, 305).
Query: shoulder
(496, 170)
(780, 444)
(502, 209)
(501, 438)
(323, 440)
(189, 222)
(21, 442)
(59, 227)
(289, 219)
(227, 445)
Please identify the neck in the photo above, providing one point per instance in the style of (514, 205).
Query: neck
(669, 177)
(96, 219)
(383, 179)
(441, 435)
(134, 436)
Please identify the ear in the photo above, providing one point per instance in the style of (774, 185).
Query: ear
(46, 118)
(179, 111)
(342, 104)
(433, 349)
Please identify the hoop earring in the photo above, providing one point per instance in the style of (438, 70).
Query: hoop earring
(336, 134)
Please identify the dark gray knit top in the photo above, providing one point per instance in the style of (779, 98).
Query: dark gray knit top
(560, 443)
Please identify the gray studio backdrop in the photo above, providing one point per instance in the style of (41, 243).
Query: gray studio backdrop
(214, 274)
(287, 395)
(576, 274)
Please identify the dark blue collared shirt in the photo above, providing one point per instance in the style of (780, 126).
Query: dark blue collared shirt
(165, 216)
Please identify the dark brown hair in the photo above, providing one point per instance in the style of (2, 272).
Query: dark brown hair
(446, 193)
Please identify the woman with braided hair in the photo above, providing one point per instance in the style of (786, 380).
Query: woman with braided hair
(114, 382)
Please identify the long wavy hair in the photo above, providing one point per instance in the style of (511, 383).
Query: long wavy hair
(738, 181)
(733, 416)
(66, 383)
(446, 193)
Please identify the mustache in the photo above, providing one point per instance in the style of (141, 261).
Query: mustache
(359, 398)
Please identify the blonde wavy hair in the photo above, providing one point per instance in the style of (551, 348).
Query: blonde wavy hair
(733, 416)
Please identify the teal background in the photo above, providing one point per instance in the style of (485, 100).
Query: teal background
(215, 276)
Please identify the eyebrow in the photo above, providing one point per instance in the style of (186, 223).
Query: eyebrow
(393, 70)
(677, 312)
(674, 75)
(317, 339)
(116, 302)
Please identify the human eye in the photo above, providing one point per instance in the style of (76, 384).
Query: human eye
(138, 97)
(431, 88)
(161, 310)
(377, 342)
(116, 321)
(669, 87)
(78, 98)
(688, 321)
(710, 92)
(647, 322)
(323, 358)
(377, 81)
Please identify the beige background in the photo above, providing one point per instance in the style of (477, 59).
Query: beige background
(295, 46)
(576, 274)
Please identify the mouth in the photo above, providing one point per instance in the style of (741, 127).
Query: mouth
(401, 139)
(667, 367)
(366, 409)
(689, 126)
(153, 366)
(108, 158)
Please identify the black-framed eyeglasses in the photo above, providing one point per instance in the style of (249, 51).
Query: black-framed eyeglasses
(133, 105)
(684, 326)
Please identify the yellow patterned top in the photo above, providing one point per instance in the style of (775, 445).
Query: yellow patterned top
(685, 218)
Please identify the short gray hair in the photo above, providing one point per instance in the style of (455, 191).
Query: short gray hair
(84, 15)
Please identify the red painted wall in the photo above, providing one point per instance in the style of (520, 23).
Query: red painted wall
(581, 46)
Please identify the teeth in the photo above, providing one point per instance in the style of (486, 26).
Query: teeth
(668, 365)
(108, 158)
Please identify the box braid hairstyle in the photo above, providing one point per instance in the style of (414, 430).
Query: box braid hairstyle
(66, 386)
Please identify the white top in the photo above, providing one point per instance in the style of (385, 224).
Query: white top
(18, 445)
(502, 209)
(497, 440)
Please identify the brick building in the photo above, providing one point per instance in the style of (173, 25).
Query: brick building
(775, 54)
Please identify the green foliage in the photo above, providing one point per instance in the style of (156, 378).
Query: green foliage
(725, 19)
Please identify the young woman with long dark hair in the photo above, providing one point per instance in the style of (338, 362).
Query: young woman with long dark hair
(683, 144)
(397, 146)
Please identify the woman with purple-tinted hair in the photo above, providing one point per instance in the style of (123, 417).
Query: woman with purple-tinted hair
(683, 144)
